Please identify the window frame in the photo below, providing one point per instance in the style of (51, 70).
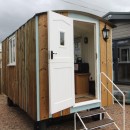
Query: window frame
(12, 51)
(128, 54)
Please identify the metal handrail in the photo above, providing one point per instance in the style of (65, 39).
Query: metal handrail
(80, 121)
(111, 118)
(123, 95)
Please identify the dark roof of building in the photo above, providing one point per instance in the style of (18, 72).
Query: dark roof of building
(117, 16)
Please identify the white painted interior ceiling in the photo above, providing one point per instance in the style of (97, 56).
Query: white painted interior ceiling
(81, 28)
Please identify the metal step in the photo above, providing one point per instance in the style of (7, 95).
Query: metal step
(98, 124)
(84, 114)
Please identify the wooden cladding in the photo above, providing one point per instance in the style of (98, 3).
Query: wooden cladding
(19, 82)
(106, 65)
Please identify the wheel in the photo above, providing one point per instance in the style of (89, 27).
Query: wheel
(40, 125)
(10, 102)
(36, 126)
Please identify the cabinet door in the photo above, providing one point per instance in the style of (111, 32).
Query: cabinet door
(82, 83)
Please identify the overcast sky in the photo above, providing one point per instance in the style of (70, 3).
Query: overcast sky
(13, 13)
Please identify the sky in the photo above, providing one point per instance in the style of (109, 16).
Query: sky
(14, 13)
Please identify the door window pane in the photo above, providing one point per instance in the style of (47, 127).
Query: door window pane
(124, 72)
(62, 38)
(125, 54)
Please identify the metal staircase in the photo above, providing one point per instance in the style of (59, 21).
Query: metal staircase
(103, 122)
(94, 124)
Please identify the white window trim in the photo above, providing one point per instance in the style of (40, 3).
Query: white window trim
(12, 63)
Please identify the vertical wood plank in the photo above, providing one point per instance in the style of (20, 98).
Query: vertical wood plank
(66, 112)
(31, 63)
(33, 59)
(43, 61)
(7, 68)
(27, 67)
(23, 67)
(17, 62)
(106, 66)
(20, 83)
(58, 114)
(103, 66)
(109, 66)
(25, 71)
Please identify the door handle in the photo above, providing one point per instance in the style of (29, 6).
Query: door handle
(52, 53)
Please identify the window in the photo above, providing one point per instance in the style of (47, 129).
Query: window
(124, 54)
(62, 38)
(12, 50)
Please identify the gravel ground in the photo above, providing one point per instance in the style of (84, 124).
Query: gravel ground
(12, 118)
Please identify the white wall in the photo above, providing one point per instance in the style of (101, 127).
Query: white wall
(88, 54)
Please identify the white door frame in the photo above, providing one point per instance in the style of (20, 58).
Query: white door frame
(97, 52)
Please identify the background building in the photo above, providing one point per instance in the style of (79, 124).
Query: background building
(121, 46)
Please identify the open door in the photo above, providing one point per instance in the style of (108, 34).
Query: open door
(61, 62)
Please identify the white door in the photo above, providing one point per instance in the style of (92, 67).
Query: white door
(61, 62)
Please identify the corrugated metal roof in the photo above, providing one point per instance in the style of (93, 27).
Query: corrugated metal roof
(117, 16)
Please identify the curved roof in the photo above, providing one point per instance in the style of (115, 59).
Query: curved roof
(78, 6)
(82, 13)
(73, 10)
